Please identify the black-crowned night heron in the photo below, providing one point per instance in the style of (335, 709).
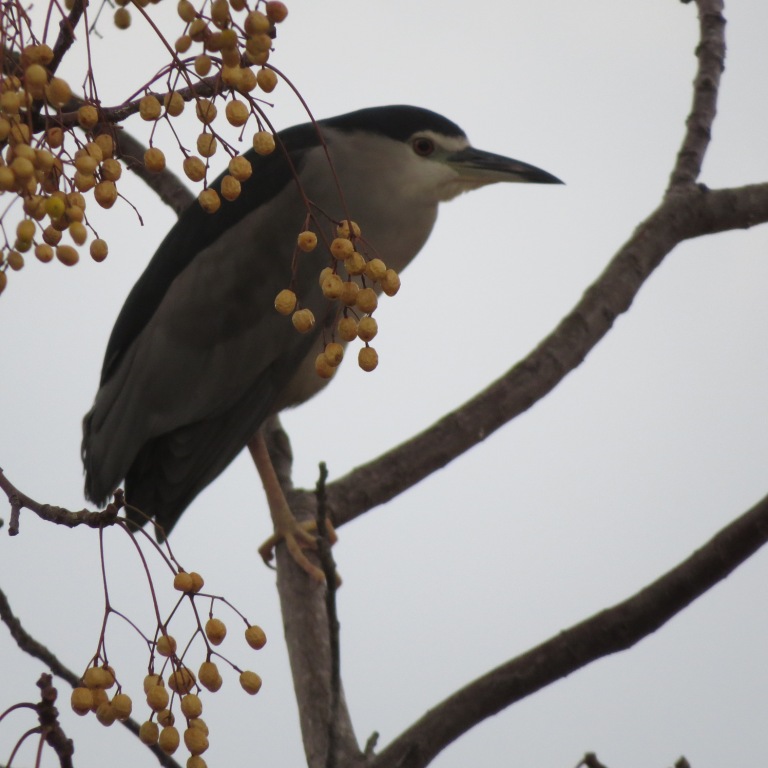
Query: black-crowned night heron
(199, 358)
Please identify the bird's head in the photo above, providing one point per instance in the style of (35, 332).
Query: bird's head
(429, 156)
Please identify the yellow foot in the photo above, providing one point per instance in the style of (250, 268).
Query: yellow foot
(297, 537)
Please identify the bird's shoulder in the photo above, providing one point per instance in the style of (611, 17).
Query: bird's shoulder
(194, 231)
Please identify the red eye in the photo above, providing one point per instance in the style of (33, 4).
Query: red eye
(423, 146)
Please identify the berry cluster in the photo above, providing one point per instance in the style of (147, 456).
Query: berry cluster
(59, 148)
(354, 281)
(231, 39)
(171, 688)
(36, 162)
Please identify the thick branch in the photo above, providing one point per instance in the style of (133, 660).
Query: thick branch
(683, 216)
(612, 630)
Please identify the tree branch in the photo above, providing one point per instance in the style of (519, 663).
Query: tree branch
(612, 630)
(691, 213)
(711, 54)
(58, 515)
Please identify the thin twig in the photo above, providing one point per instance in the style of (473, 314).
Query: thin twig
(53, 514)
(331, 579)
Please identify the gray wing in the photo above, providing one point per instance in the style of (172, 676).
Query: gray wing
(198, 357)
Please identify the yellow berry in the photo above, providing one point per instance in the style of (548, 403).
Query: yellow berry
(181, 680)
(333, 287)
(307, 241)
(355, 264)
(44, 253)
(105, 193)
(35, 80)
(334, 353)
(303, 320)
(367, 328)
(107, 145)
(166, 645)
(105, 714)
(150, 681)
(220, 13)
(323, 368)
(186, 11)
(285, 301)
(230, 188)
(82, 698)
(154, 159)
(182, 581)
(194, 168)
(84, 181)
(266, 80)
(99, 697)
(3, 280)
(247, 79)
(240, 168)
(209, 200)
(237, 113)
(256, 23)
(191, 706)
(348, 229)
(215, 631)
(149, 107)
(255, 637)
(206, 144)
(51, 235)
(25, 230)
(165, 718)
(341, 248)
(111, 170)
(122, 705)
(390, 283)
(122, 18)
(209, 676)
(58, 94)
(347, 329)
(276, 11)
(168, 740)
(99, 250)
(98, 677)
(87, 116)
(195, 761)
(199, 723)
(174, 103)
(367, 300)
(206, 111)
(203, 64)
(78, 232)
(263, 143)
(375, 269)
(157, 697)
(14, 259)
(250, 682)
(22, 168)
(7, 179)
(195, 741)
(349, 292)
(368, 358)
(148, 733)
(197, 581)
(199, 31)
(183, 44)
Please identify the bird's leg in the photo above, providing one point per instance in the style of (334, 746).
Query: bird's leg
(297, 536)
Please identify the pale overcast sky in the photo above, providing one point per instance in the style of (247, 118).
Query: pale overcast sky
(653, 444)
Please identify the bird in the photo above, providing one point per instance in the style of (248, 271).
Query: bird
(198, 357)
